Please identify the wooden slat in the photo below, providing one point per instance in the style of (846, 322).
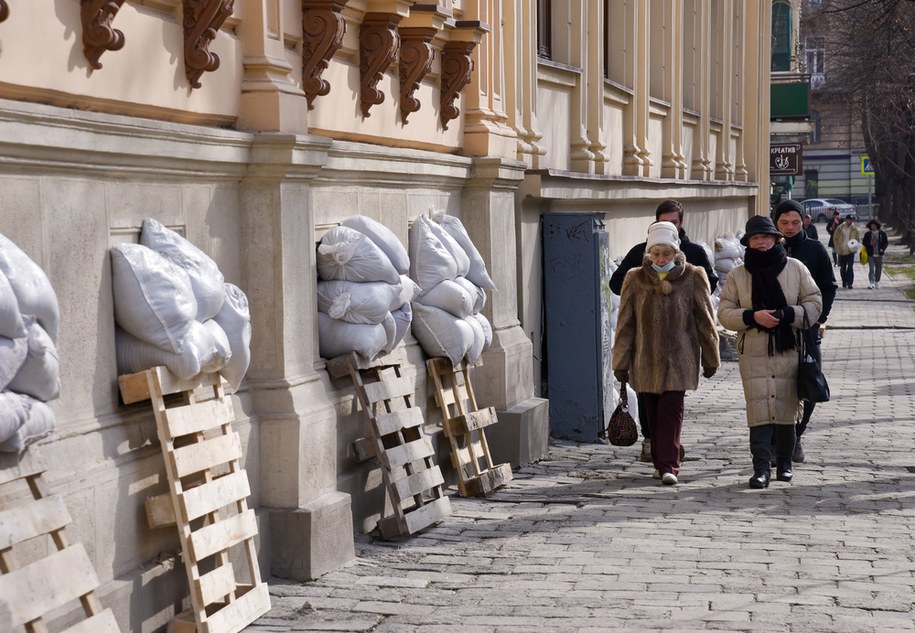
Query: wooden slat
(236, 615)
(103, 622)
(217, 584)
(341, 366)
(472, 421)
(399, 420)
(160, 511)
(426, 515)
(388, 389)
(364, 449)
(207, 454)
(216, 494)
(409, 452)
(200, 416)
(13, 467)
(418, 483)
(490, 480)
(34, 590)
(221, 535)
(31, 519)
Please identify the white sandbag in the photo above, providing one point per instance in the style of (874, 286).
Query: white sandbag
(728, 246)
(403, 317)
(477, 272)
(477, 294)
(726, 264)
(461, 260)
(709, 253)
(345, 253)
(11, 325)
(358, 302)
(235, 320)
(450, 297)
(199, 350)
(487, 329)
(409, 291)
(479, 340)
(206, 279)
(14, 411)
(153, 297)
(12, 355)
(39, 375)
(31, 286)
(39, 425)
(215, 358)
(389, 323)
(441, 334)
(633, 401)
(383, 237)
(336, 337)
(430, 261)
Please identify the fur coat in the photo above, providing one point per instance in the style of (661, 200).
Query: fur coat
(662, 326)
(769, 382)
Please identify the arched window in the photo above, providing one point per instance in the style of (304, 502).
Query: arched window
(781, 36)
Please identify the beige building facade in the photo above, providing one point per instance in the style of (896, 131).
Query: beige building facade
(252, 126)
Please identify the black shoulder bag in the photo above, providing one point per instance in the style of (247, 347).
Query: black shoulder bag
(811, 383)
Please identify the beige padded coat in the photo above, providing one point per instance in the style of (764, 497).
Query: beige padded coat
(661, 327)
(769, 382)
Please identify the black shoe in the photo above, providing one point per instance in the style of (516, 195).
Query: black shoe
(798, 456)
(760, 480)
(783, 473)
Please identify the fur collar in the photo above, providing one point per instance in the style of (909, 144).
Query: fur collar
(651, 277)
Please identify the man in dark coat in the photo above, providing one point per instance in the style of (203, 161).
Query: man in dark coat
(788, 218)
(668, 211)
(810, 228)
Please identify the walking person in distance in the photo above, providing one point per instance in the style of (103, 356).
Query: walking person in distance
(841, 237)
(875, 242)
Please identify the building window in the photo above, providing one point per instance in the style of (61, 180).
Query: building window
(815, 60)
(545, 28)
(781, 37)
(811, 184)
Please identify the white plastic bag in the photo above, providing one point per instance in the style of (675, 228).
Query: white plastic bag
(403, 317)
(479, 340)
(461, 260)
(430, 262)
(11, 325)
(450, 297)
(235, 320)
(477, 294)
(487, 329)
(477, 272)
(39, 375)
(383, 237)
(12, 354)
(358, 302)
(31, 286)
(39, 425)
(14, 411)
(441, 334)
(199, 350)
(336, 337)
(345, 253)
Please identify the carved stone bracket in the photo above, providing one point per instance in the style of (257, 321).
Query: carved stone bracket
(416, 54)
(98, 35)
(379, 44)
(4, 10)
(202, 19)
(457, 65)
(323, 27)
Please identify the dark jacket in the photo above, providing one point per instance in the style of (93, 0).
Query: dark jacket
(883, 243)
(811, 231)
(694, 253)
(831, 226)
(816, 258)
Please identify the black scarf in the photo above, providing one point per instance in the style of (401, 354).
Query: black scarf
(764, 267)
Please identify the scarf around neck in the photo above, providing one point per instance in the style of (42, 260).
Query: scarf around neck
(766, 293)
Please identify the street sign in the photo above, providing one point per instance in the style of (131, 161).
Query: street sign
(785, 159)
(867, 167)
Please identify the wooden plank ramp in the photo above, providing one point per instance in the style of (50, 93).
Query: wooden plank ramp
(464, 426)
(397, 441)
(206, 501)
(33, 585)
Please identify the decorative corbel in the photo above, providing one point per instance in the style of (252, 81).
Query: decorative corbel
(416, 52)
(202, 19)
(457, 65)
(4, 10)
(378, 46)
(323, 27)
(98, 35)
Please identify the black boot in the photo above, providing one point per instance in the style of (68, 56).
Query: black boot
(784, 448)
(761, 440)
(760, 478)
(783, 471)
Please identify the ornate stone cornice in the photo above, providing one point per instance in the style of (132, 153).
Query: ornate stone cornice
(457, 65)
(416, 54)
(323, 27)
(379, 44)
(98, 34)
(202, 19)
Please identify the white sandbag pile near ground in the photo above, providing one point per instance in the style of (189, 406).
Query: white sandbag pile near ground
(29, 363)
(363, 292)
(728, 255)
(172, 307)
(449, 269)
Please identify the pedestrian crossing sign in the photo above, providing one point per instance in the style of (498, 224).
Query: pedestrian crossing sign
(867, 167)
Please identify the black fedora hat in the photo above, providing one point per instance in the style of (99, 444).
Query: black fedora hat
(759, 225)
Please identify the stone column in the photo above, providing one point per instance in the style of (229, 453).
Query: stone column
(636, 159)
(310, 521)
(673, 163)
(724, 24)
(505, 379)
(700, 169)
(593, 90)
(520, 42)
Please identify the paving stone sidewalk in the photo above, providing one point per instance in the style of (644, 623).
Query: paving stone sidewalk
(586, 541)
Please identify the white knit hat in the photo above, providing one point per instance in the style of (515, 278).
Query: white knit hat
(663, 233)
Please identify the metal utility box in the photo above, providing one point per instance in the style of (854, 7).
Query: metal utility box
(576, 277)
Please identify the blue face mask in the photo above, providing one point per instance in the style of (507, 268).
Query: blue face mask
(666, 268)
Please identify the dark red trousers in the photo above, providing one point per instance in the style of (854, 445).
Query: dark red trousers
(665, 420)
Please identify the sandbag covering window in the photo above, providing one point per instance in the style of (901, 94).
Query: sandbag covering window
(172, 307)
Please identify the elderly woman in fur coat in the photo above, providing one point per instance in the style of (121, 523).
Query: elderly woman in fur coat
(764, 300)
(665, 329)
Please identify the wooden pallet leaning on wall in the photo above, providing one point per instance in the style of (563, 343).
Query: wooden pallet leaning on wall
(31, 589)
(397, 441)
(207, 497)
(464, 423)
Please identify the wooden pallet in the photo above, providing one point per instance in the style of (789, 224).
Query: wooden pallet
(207, 495)
(31, 589)
(398, 443)
(464, 423)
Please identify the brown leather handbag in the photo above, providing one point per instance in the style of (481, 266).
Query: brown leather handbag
(621, 429)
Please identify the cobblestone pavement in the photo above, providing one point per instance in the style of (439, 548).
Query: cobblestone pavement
(587, 541)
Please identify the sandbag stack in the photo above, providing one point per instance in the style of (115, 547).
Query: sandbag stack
(172, 307)
(364, 293)
(29, 363)
(728, 255)
(452, 275)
